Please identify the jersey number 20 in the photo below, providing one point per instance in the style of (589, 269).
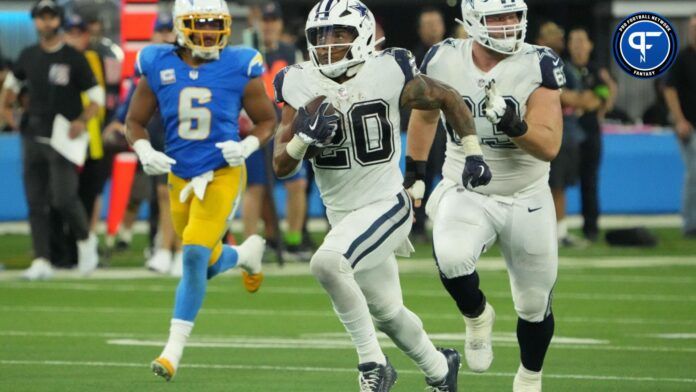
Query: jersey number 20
(194, 121)
(372, 136)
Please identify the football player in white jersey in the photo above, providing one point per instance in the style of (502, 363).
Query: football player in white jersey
(513, 90)
(360, 181)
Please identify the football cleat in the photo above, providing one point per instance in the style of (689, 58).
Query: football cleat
(87, 254)
(478, 348)
(160, 262)
(163, 368)
(374, 377)
(40, 269)
(449, 384)
(250, 253)
(526, 381)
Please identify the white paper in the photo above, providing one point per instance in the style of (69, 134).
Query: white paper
(74, 150)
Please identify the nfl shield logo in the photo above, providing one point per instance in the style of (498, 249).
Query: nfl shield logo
(193, 74)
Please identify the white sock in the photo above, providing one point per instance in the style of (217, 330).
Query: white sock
(179, 332)
(562, 229)
(358, 324)
(528, 375)
(406, 330)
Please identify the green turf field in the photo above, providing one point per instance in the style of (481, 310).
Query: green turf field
(625, 321)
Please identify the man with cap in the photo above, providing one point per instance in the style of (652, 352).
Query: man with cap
(56, 76)
(277, 55)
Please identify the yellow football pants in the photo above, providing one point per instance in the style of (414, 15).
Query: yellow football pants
(204, 222)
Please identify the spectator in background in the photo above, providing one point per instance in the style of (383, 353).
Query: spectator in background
(95, 170)
(8, 121)
(260, 178)
(167, 256)
(431, 30)
(113, 56)
(680, 95)
(574, 100)
(598, 80)
(56, 75)
(658, 112)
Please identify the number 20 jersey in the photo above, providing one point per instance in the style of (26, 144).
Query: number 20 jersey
(200, 105)
(516, 77)
(362, 164)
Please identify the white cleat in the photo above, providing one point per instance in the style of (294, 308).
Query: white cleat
(526, 381)
(250, 254)
(160, 262)
(40, 269)
(177, 270)
(478, 348)
(87, 254)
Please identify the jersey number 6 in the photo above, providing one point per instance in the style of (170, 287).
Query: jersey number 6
(194, 121)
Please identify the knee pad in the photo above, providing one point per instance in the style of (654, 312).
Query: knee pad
(533, 305)
(328, 265)
(453, 262)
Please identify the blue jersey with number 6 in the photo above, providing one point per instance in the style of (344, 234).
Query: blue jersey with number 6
(200, 105)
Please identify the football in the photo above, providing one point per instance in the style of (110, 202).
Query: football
(312, 107)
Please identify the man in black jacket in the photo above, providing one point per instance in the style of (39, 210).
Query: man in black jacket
(56, 75)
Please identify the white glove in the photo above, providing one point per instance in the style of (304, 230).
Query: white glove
(154, 162)
(495, 105)
(235, 153)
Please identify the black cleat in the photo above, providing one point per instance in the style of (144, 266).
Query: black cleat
(449, 384)
(375, 377)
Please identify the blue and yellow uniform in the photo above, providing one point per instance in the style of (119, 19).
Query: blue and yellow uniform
(200, 107)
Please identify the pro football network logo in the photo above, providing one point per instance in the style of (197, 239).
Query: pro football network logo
(645, 45)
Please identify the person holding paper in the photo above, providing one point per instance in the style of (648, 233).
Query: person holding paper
(55, 75)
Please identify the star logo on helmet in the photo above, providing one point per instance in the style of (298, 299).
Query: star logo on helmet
(360, 8)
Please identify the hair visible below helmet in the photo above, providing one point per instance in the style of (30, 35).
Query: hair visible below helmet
(189, 13)
(474, 14)
(330, 15)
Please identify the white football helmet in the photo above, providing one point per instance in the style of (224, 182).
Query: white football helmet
(505, 39)
(195, 17)
(331, 16)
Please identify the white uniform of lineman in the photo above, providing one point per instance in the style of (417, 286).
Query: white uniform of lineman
(358, 175)
(369, 211)
(516, 207)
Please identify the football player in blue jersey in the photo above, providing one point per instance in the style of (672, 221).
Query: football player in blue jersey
(200, 86)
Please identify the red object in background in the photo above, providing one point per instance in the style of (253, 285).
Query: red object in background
(122, 176)
(137, 26)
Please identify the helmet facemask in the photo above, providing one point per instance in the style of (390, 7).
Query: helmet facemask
(204, 34)
(325, 43)
(502, 38)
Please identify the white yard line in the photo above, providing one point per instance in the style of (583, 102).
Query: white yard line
(405, 266)
(155, 288)
(316, 313)
(334, 370)
(331, 340)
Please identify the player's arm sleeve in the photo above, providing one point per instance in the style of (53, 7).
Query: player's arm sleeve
(289, 88)
(552, 73)
(255, 67)
(430, 58)
(406, 62)
(278, 82)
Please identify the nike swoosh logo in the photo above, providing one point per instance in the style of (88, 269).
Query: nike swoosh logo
(483, 170)
(311, 127)
(533, 209)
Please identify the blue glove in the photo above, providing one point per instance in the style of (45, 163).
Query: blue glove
(476, 171)
(318, 129)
